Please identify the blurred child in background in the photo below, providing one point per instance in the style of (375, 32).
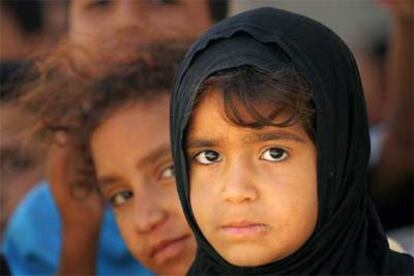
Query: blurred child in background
(39, 253)
(116, 129)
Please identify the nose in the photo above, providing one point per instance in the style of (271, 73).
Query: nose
(239, 185)
(149, 212)
(132, 13)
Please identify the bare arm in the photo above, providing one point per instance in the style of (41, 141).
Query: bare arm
(81, 217)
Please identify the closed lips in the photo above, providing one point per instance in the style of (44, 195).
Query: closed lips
(166, 243)
(244, 228)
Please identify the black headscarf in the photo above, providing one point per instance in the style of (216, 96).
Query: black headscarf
(348, 238)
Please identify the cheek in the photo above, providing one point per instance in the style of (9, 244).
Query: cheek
(133, 241)
(124, 220)
(193, 13)
(173, 205)
(291, 194)
(202, 194)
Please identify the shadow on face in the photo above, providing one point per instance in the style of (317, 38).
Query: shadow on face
(133, 163)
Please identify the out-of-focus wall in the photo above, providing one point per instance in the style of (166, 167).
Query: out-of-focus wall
(352, 20)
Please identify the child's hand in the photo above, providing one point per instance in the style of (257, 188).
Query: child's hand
(81, 216)
(85, 209)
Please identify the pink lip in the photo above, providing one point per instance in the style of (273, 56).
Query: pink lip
(167, 249)
(243, 229)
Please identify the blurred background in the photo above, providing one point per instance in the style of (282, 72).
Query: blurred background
(30, 28)
(27, 25)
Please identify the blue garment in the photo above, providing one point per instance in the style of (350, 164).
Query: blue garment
(32, 240)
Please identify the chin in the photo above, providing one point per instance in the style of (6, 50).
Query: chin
(246, 260)
(252, 258)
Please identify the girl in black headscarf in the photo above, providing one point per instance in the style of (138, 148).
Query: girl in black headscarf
(270, 144)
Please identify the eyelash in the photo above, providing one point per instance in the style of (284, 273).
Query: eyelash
(205, 162)
(285, 154)
(164, 170)
(106, 3)
(99, 4)
(113, 198)
(125, 193)
(165, 2)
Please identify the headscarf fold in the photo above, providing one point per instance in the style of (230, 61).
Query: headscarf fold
(348, 238)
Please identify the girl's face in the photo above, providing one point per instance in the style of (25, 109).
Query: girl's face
(132, 157)
(253, 191)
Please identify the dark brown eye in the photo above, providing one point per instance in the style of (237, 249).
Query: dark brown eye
(120, 198)
(168, 172)
(274, 155)
(208, 157)
(16, 161)
(99, 3)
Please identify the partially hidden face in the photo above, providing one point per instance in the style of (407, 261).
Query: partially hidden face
(253, 191)
(133, 162)
(152, 20)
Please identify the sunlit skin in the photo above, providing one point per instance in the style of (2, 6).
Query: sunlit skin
(133, 163)
(253, 191)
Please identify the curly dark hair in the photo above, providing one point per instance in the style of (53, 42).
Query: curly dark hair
(66, 98)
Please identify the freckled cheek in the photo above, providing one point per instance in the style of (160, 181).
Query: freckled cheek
(293, 188)
(203, 196)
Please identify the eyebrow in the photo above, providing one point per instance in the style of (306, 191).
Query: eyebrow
(106, 181)
(257, 137)
(200, 143)
(275, 135)
(153, 156)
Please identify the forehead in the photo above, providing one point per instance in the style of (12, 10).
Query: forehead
(209, 108)
(142, 116)
(133, 129)
(209, 120)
